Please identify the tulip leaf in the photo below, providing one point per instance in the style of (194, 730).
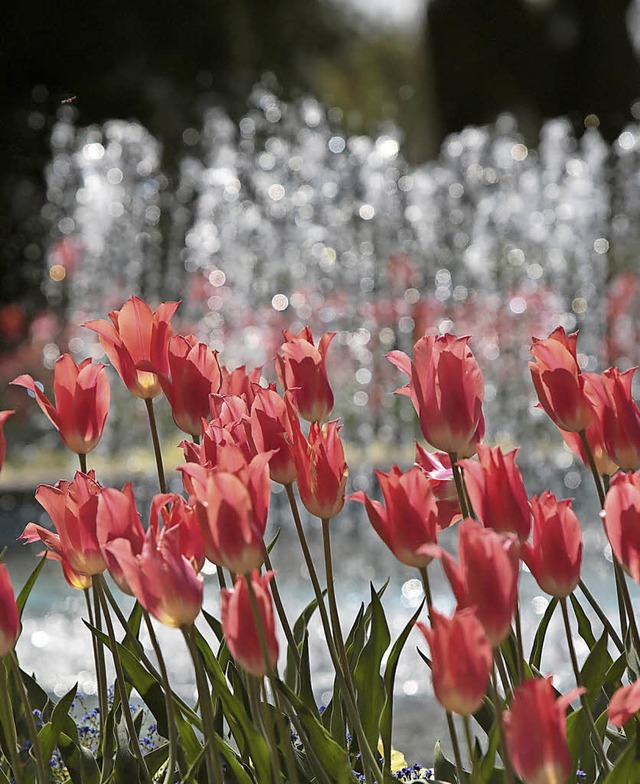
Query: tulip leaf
(28, 586)
(79, 761)
(386, 717)
(189, 748)
(240, 774)
(156, 758)
(584, 625)
(127, 767)
(443, 769)
(627, 768)
(48, 735)
(594, 670)
(304, 687)
(538, 641)
(299, 632)
(214, 625)
(487, 764)
(332, 755)
(370, 692)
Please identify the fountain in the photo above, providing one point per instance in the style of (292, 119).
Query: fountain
(282, 220)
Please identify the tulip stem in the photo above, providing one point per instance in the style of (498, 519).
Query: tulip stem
(369, 760)
(120, 681)
(520, 649)
(456, 746)
(282, 615)
(625, 608)
(595, 735)
(156, 443)
(457, 478)
(427, 591)
(101, 672)
(214, 767)
(8, 722)
(497, 702)
(168, 702)
(472, 753)
(613, 634)
(36, 748)
(83, 463)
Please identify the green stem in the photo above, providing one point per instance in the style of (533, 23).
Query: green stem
(470, 747)
(520, 650)
(83, 463)
(101, 670)
(457, 478)
(36, 748)
(120, 681)
(595, 736)
(156, 443)
(601, 497)
(427, 591)
(214, 767)
(456, 746)
(498, 662)
(8, 722)
(282, 615)
(497, 701)
(168, 702)
(253, 688)
(370, 763)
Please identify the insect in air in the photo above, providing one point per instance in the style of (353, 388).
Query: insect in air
(69, 100)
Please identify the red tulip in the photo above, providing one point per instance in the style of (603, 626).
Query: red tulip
(194, 374)
(409, 518)
(271, 431)
(301, 368)
(82, 396)
(461, 660)
(497, 492)
(137, 343)
(559, 382)
(595, 387)
(161, 578)
(72, 507)
(232, 508)
(239, 624)
(9, 617)
(621, 517)
(486, 577)
(621, 419)
(624, 704)
(536, 732)
(555, 555)
(4, 415)
(321, 467)
(437, 467)
(447, 389)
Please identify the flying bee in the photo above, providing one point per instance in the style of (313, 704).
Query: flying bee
(69, 100)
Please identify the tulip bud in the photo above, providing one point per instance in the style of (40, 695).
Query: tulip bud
(9, 618)
(621, 516)
(301, 369)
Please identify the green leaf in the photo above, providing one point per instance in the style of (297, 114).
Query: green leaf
(234, 764)
(594, 670)
(541, 631)
(386, 717)
(156, 758)
(627, 768)
(443, 769)
(127, 767)
(299, 632)
(28, 586)
(189, 747)
(584, 625)
(80, 762)
(305, 688)
(370, 691)
(333, 756)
